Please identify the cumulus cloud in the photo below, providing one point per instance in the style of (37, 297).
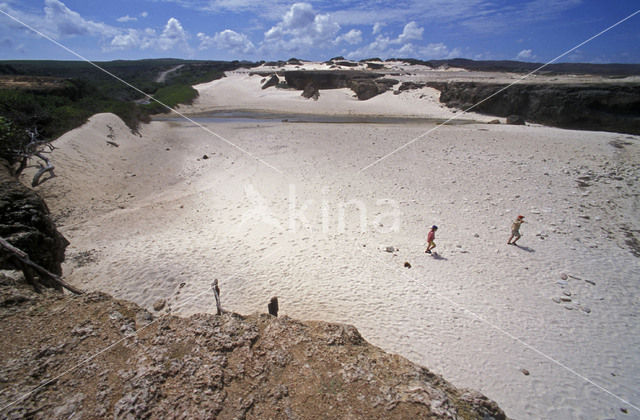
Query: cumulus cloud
(227, 40)
(525, 54)
(60, 21)
(299, 16)
(172, 36)
(353, 37)
(400, 46)
(411, 31)
(301, 28)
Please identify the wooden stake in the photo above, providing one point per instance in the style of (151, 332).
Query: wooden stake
(216, 292)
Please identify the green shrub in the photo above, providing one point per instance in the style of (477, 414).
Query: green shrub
(171, 96)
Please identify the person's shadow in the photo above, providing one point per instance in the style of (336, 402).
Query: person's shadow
(525, 248)
(438, 257)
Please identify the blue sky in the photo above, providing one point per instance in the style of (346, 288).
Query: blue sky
(525, 30)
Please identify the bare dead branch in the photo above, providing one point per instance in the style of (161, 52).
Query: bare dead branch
(25, 262)
(43, 169)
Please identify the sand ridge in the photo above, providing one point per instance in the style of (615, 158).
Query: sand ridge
(183, 220)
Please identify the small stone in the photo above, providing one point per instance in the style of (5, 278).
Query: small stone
(390, 249)
(525, 372)
(475, 235)
(566, 293)
(565, 299)
(586, 310)
(205, 157)
(182, 284)
(563, 276)
(406, 264)
(115, 315)
(568, 307)
(624, 410)
(562, 282)
(556, 300)
(159, 305)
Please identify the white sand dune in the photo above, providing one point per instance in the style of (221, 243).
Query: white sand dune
(152, 219)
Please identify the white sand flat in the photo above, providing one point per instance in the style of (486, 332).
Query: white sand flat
(162, 222)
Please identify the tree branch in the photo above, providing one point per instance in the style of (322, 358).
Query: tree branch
(23, 257)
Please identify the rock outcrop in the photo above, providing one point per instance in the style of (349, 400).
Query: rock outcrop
(325, 79)
(604, 107)
(203, 367)
(25, 222)
(364, 84)
(272, 81)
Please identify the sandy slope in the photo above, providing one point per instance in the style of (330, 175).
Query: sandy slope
(152, 219)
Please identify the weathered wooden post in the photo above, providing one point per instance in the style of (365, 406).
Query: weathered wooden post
(216, 292)
(273, 306)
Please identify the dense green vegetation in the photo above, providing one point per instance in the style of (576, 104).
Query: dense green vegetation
(57, 96)
(171, 96)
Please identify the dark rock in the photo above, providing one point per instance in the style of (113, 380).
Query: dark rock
(27, 225)
(273, 81)
(205, 157)
(346, 63)
(159, 305)
(273, 306)
(411, 86)
(367, 89)
(311, 91)
(361, 82)
(515, 120)
(325, 79)
(375, 66)
(407, 264)
(605, 106)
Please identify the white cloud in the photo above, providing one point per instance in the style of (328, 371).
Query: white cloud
(172, 36)
(352, 37)
(387, 47)
(227, 40)
(301, 28)
(438, 51)
(525, 54)
(411, 31)
(126, 18)
(301, 15)
(60, 21)
(144, 14)
(384, 46)
(377, 27)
